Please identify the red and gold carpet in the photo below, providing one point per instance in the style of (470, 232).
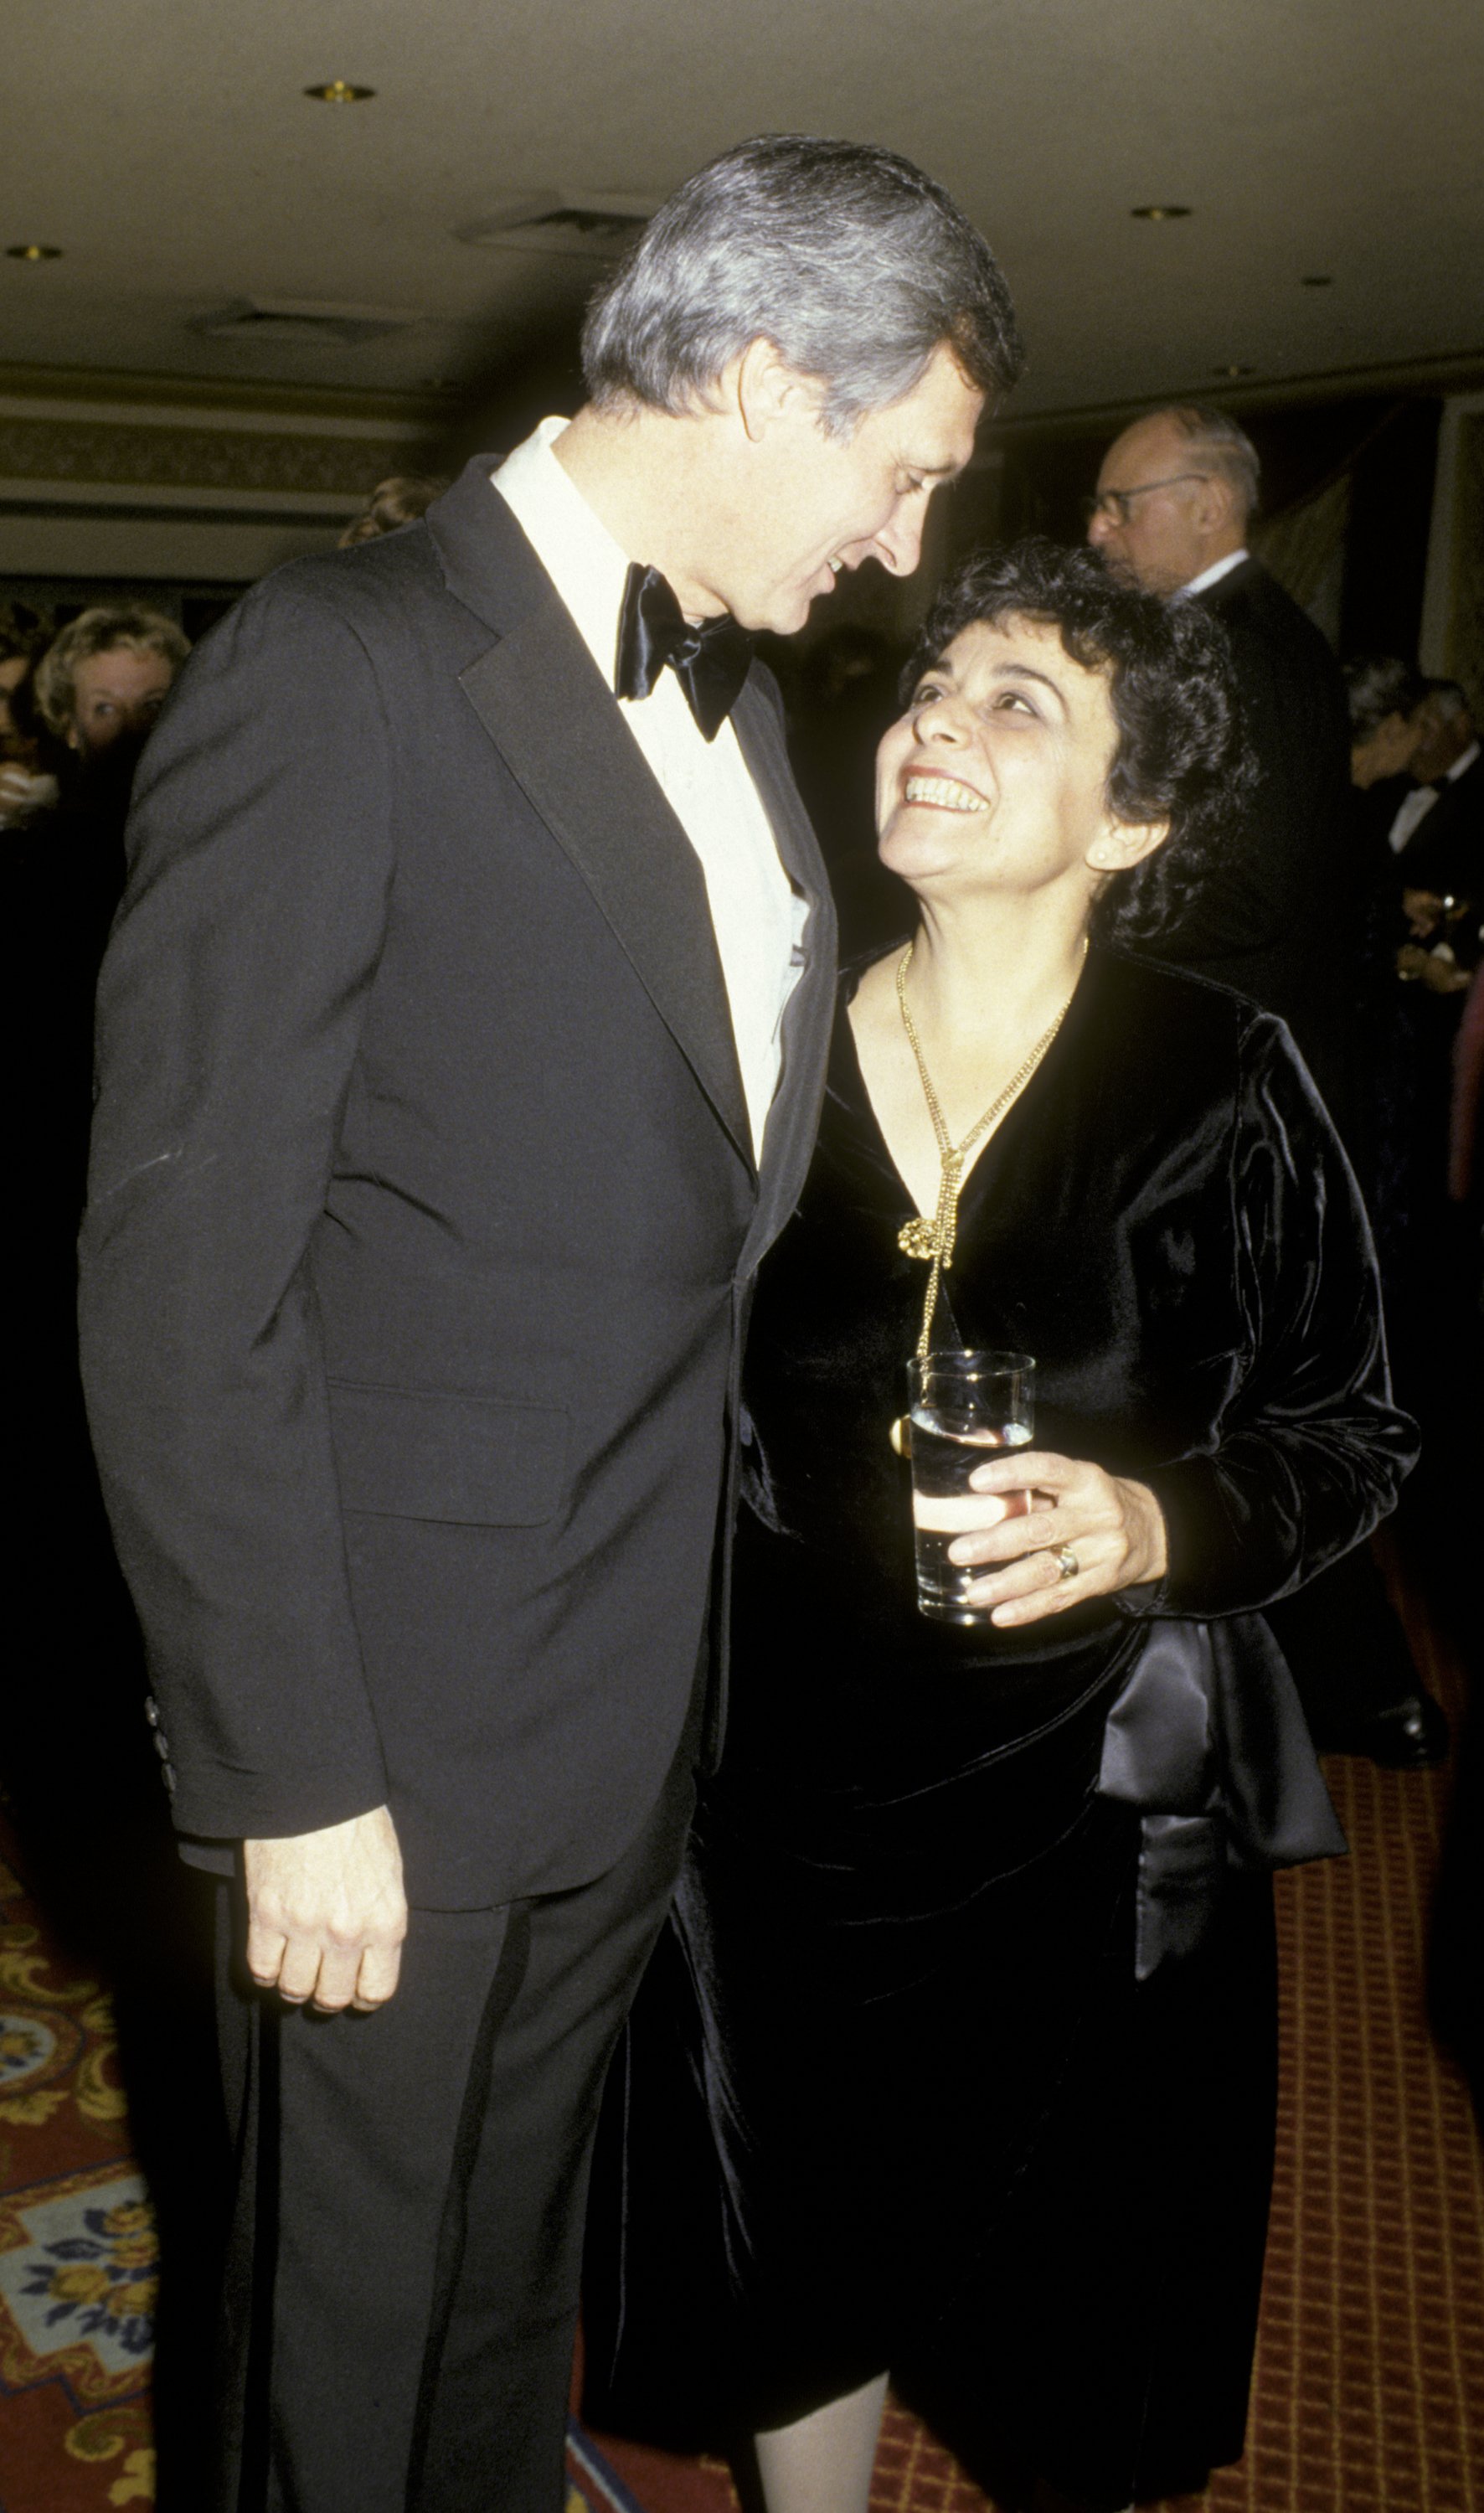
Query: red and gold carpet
(77, 2241)
(1369, 2395)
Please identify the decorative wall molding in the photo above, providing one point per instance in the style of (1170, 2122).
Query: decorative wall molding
(89, 547)
(116, 475)
(108, 456)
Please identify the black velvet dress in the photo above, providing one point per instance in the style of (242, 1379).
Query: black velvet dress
(893, 2094)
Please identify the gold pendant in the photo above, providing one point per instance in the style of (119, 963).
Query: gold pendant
(919, 1238)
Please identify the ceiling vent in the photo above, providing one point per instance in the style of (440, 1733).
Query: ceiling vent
(275, 320)
(594, 226)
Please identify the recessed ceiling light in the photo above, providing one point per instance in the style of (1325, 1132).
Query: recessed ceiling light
(1317, 279)
(338, 91)
(33, 252)
(1234, 370)
(1158, 210)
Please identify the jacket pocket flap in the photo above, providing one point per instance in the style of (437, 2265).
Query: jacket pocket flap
(472, 1460)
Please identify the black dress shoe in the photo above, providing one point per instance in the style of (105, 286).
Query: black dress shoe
(1408, 1735)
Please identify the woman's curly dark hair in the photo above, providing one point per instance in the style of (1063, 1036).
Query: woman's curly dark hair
(1181, 754)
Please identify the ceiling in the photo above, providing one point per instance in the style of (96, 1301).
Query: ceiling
(169, 150)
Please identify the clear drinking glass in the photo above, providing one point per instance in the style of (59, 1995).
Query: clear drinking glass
(963, 1404)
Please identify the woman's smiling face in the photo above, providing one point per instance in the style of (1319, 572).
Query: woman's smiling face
(997, 776)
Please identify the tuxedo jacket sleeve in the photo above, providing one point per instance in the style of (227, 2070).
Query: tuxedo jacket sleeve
(229, 1018)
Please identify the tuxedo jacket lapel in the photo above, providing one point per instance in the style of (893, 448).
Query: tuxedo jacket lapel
(758, 728)
(554, 720)
(793, 1118)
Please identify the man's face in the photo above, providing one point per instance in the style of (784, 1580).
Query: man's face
(816, 503)
(1440, 739)
(1153, 521)
(1385, 751)
(119, 691)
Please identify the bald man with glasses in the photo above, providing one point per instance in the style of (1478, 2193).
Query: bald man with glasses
(1175, 497)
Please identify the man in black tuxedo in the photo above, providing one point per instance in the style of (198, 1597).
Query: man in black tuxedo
(1437, 834)
(1282, 919)
(462, 1043)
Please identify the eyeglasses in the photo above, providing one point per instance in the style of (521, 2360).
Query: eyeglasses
(1116, 502)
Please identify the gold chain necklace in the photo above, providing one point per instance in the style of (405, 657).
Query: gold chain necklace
(934, 1241)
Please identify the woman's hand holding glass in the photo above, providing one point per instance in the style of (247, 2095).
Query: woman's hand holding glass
(1109, 1528)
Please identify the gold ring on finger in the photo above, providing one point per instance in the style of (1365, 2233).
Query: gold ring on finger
(1065, 1561)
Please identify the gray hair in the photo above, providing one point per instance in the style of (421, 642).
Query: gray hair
(851, 261)
(1227, 447)
(1377, 687)
(1449, 700)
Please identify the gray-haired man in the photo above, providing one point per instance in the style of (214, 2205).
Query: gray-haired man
(462, 1040)
(1175, 500)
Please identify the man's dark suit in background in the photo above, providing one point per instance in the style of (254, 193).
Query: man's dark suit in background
(1272, 920)
(1445, 852)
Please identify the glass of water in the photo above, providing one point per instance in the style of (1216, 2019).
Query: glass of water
(963, 1405)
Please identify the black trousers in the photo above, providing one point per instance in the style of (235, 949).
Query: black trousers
(402, 2285)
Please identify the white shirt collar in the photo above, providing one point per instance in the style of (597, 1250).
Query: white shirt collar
(578, 552)
(1211, 575)
(1461, 766)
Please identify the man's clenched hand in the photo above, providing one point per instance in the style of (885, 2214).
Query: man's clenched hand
(327, 1913)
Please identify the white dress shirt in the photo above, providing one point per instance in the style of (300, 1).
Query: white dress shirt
(1413, 807)
(1211, 575)
(757, 914)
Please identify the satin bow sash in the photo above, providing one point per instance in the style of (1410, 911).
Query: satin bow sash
(1208, 1740)
(709, 659)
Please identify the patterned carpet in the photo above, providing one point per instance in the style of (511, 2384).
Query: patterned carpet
(77, 2241)
(1370, 2385)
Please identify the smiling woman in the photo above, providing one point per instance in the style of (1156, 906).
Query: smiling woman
(1138, 692)
(1068, 765)
(959, 2058)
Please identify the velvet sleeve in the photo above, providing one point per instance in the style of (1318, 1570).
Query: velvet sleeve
(1310, 1452)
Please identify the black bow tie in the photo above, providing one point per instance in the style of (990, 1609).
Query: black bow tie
(710, 661)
